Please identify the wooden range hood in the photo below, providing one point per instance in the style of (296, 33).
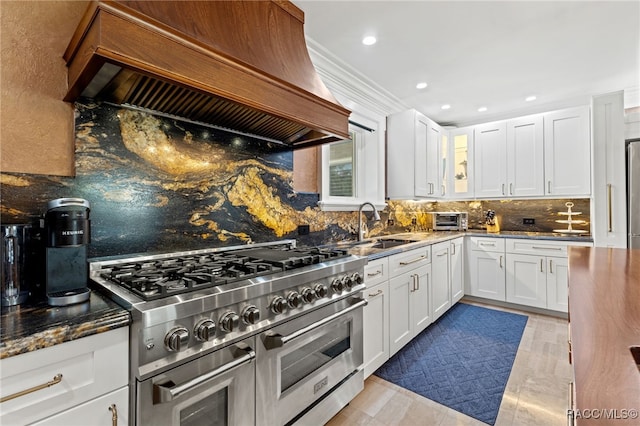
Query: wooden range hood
(241, 65)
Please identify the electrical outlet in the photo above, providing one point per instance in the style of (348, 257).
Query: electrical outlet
(390, 222)
(414, 221)
(528, 221)
(303, 229)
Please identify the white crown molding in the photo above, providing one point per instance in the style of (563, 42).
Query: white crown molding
(340, 77)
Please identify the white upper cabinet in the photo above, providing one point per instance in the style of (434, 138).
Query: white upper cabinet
(490, 146)
(413, 156)
(525, 157)
(567, 152)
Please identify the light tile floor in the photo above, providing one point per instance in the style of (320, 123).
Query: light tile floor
(536, 393)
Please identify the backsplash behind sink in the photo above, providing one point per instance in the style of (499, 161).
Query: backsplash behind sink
(510, 214)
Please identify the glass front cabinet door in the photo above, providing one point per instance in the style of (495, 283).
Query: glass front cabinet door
(460, 167)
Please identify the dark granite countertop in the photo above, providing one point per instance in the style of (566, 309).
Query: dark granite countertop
(415, 240)
(32, 326)
(554, 236)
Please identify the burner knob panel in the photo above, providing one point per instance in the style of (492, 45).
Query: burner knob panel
(205, 330)
(294, 300)
(230, 322)
(176, 339)
(321, 291)
(308, 295)
(356, 278)
(347, 282)
(337, 285)
(278, 305)
(250, 315)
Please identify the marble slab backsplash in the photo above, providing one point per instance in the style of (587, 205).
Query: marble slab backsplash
(158, 185)
(510, 213)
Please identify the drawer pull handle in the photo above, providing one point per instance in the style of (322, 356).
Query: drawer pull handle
(369, 274)
(500, 261)
(487, 244)
(546, 248)
(453, 248)
(444, 253)
(409, 262)
(56, 379)
(609, 207)
(375, 294)
(541, 265)
(114, 415)
(550, 266)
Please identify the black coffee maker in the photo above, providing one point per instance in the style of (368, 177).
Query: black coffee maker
(68, 232)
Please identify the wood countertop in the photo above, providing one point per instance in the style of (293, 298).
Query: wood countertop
(604, 315)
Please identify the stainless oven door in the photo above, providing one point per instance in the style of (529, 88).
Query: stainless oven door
(215, 389)
(303, 361)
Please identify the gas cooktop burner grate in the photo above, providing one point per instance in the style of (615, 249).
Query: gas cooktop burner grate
(156, 279)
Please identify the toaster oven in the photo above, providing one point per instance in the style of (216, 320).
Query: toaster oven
(449, 221)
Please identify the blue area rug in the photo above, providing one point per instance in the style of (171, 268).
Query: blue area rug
(463, 360)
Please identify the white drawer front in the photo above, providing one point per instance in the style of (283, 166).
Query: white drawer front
(90, 367)
(407, 261)
(376, 271)
(491, 244)
(537, 247)
(95, 412)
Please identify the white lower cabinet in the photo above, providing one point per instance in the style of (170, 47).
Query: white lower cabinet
(486, 268)
(409, 296)
(376, 316)
(89, 375)
(456, 263)
(526, 280)
(441, 281)
(537, 273)
(409, 306)
(558, 284)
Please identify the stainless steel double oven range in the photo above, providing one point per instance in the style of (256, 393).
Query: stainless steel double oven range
(264, 334)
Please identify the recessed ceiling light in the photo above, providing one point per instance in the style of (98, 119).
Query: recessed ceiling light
(369, 40)
(530, 98)
(482, 109)
(445, 106)
(421, 85)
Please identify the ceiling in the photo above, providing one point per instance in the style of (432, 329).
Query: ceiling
(487, 54)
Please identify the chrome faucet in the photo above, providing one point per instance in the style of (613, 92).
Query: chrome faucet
(376, 216)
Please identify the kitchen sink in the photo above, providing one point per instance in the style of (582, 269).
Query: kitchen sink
(388, 243)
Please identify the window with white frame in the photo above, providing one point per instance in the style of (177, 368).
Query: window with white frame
(350, 170)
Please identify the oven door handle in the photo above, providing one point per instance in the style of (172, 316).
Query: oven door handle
(169, 391)
(274, 340)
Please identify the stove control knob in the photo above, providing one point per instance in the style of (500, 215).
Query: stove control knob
(229, 322)
(294, 300)
(321, 291)
(347, 282)
(337, 285)
(205, 330)
(278, 305)
(357, 278)
(250, 315)
(176, 339)
(308, 295)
